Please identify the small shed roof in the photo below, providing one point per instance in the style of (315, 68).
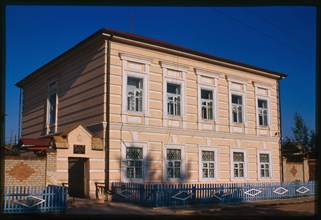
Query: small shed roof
(34, 142)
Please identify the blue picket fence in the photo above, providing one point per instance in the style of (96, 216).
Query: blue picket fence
(158, 195)
(24, 199)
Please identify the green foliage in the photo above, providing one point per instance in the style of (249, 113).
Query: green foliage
(303, 141)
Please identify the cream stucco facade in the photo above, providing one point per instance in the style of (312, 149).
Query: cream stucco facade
(163, 113)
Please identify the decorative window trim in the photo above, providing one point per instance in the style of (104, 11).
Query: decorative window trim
(144, 75)
(267, 97)
(214, 93)
(135, 58)
(240, 92)
(268, 112)
(259, 164)
(207, 86)
(207, 73)
(135, 90)
(243, 109)
(173, 66)
(216, 169)
(181, 83)
(245, 165)
(237, 80)
(142, 145)
(165, 162)
(55, 125)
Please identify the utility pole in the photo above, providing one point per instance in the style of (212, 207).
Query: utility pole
(132, 22)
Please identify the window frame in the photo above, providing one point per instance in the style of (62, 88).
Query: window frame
(245, 170)
(179, 95)
(206, 100)
(258, 111)
(50, 92)
(135, 89)
(232, 105)
(259, 165)
(165, 163)
(145, 170)
(208, 148)
(128, 72)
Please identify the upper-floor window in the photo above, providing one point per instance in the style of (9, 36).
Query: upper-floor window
(262, 112)
(52, 108)
(264, 163)
(173, 99)
(237, 108)
(134, 163)
(134, 94)
(207, 104)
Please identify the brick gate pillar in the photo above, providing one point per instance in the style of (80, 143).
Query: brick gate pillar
(51, 168)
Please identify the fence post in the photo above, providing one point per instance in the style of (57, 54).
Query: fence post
(142, 193)
(193, 194)
(221, 192)
(155, 195)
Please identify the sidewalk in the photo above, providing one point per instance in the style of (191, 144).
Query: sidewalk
(93, 207)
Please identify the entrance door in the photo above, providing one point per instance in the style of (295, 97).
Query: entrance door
(77, 177)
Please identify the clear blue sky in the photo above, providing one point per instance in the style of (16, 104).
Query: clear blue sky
(281, 39)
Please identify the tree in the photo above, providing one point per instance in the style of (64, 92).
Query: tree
(303, 141)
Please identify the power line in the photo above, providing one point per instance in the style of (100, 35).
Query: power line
(264, 34)
(281, 29)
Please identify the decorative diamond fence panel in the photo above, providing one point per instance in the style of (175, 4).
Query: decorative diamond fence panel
(20, 199)
(157, 195)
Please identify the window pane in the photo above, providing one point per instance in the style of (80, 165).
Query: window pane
(170, 173)
(139, 172)
(211, 173)
(177, 172)
(238, 156)
(130, 172)
(134, 153)
(173, 88)
(208, 155)
(173, 154)
(262, 103)
(206, 94)
(236, 99)
(205, 173)
(135, 82)
(264, 158)
(241, 172)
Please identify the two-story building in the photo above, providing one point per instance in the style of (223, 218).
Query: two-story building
(123, 107)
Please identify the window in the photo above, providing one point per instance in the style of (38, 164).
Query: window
(173, 157)
(173, 99)
(134, 162)
(134, 94)
(262, 112)
(238, 164)
(52, 108)
(264, 165)
(237, 109)
(207, 104)
(208, 160)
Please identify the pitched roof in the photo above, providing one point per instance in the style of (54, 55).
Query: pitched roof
(160, 43)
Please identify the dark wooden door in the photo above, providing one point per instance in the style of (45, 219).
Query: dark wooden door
(76, 177)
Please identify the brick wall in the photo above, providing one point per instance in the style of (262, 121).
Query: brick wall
(295, 171)
(30, 171)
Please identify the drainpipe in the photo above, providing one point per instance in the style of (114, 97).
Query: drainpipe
(280, 115)
(2, 107)
(20, 115)
(107, 117)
